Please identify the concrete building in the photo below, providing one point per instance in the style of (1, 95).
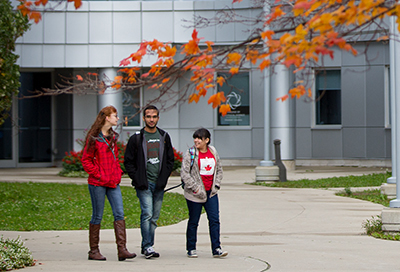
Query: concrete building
(349, 125)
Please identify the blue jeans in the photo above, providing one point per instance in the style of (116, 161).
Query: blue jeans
(150, 204)
(98, 195)
(212, 210)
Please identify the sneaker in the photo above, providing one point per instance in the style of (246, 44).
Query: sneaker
(155, 254)
(218, 253)
(149, 252)
(192, 254)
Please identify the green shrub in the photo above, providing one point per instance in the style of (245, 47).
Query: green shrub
(373, 225)
(14, 255)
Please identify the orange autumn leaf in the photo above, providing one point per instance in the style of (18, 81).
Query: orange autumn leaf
(234, 70)
(192, 47)
(298, 91)
(78, 77)
(77, 3)
(267, 34)
(264, 64)
(236, 1)
(35, 16)
(202, 92)
(224, 109)
(383, 38)
(118, 79)
(209, 44)
(234, 58)
(125, 62)
(252, 56)
(168, 52)
(217, 99)
(194, 97)
(220, 80)
(283, 98)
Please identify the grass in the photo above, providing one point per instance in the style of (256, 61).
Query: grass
(53, 206)
(335, 182)
(373, 195)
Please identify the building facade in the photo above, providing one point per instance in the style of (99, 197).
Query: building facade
(348, 124)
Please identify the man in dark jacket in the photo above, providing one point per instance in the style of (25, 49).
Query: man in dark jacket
(149, 159)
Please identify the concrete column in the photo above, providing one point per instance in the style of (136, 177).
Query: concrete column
(110, 96)
(267, 171)
(396, 202)
(282, 115)
(392, 83)
(391, 216)
(389, 188)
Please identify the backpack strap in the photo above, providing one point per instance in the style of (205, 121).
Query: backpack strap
(192, 152)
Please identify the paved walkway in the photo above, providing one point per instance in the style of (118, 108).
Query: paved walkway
(263, 229)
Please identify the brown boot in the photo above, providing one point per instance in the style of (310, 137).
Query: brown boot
(94, 236)
(120, 237)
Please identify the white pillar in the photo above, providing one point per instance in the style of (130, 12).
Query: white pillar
(110, 96)
(282, 119)
(267, 171)
(392, 45)
(267, 92)
(395, 203)
(267, 104)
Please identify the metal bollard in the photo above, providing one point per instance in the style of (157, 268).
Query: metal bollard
(278, 161)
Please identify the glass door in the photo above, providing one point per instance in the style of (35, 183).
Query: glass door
(7, 150)
(34, 116)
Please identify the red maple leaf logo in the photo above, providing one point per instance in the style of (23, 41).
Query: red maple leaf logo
(208, 167)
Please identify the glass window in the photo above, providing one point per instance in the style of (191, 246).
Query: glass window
(131, 107)
(388, 103)
(328, 97)
(237, 93)
(6, 140)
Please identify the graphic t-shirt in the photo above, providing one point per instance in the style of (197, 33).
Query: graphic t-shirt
(207, 167)
(153, 161)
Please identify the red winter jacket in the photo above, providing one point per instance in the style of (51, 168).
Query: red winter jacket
(101, 164)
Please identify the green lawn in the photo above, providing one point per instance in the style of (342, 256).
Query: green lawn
(54, 206)
(335, 182)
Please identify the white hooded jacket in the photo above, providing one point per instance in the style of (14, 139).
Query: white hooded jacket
(191, 178)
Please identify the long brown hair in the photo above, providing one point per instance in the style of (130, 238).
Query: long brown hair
(94, 131)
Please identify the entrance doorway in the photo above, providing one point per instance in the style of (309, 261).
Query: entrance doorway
(26, 137)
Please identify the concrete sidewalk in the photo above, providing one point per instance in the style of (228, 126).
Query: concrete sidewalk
(263, 229)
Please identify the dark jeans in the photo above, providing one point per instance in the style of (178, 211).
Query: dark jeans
(212, 210)
(98, 195)
(150, 204)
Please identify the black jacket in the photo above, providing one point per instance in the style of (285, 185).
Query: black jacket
(135, 160)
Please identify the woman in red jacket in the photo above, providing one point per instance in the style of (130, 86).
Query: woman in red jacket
(100, 161)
